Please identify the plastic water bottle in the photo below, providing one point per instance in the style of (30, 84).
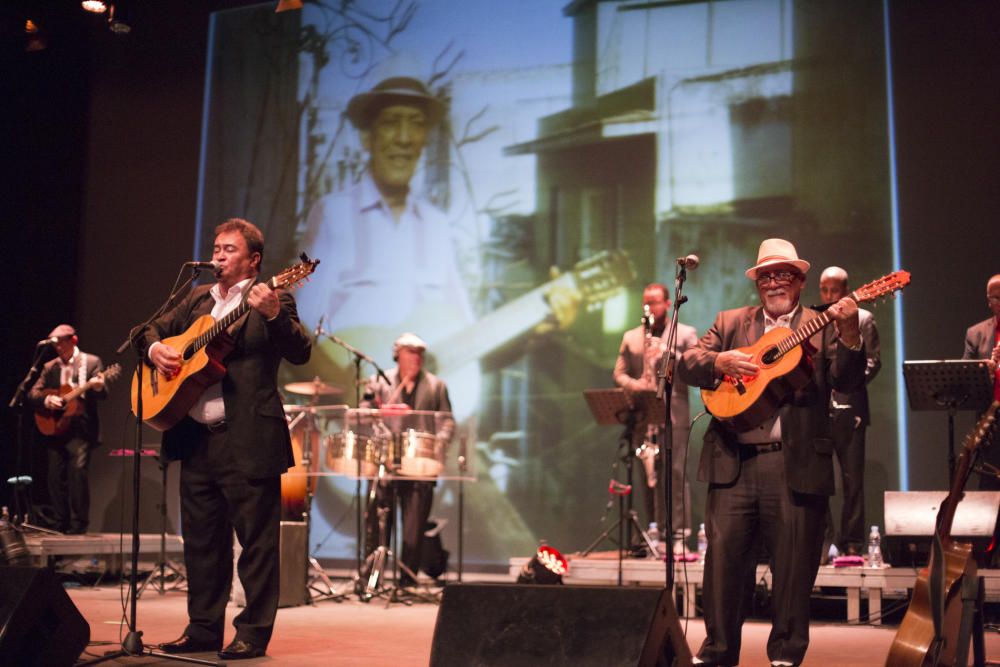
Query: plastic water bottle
(654, 537)
(875, 548)
(702, 543)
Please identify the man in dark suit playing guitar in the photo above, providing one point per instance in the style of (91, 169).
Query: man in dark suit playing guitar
(68, 450)
(233, 446)
(769, 483)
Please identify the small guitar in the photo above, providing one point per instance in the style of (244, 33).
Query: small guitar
(202, 348)
(748, 401)
(929, 633)
(57, 422)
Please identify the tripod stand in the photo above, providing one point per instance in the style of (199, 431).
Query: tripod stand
(615, 406)
(159, 577)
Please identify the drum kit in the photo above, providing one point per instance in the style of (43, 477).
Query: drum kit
(393, 442)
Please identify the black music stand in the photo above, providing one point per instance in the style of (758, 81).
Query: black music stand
(949, 384)
(634, 410)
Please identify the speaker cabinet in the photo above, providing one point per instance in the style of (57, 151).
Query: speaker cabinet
(293, 564)
(41, 625)
(499, 625)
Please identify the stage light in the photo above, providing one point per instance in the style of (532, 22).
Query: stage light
(547, 567)
(95, 6)
(285, 5)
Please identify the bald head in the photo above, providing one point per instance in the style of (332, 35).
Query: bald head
(832, 284)
(993, 294)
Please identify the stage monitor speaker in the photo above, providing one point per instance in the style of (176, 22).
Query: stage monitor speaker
(500, 625)
(41, 625)
(911, 517)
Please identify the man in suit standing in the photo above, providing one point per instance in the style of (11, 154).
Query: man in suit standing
(639, 356)
(233, 446)
(409, 386)
(982, 341)
(69, 453)
(851, 418)
(770, 484)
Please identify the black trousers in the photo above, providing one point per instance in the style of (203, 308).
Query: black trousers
(217, 499)
(849, 445)
(69, 486)
(757, 507)
(415, 499)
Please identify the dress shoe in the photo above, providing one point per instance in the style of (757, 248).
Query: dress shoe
(188, 644)
(241, 650)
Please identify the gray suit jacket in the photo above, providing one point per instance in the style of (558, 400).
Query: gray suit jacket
(629, 366)
(807, 446)
(979, 339)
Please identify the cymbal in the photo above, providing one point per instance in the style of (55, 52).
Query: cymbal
(313, 388)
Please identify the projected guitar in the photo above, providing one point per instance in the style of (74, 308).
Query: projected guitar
(930, 630)
(165, 400)
(595, 279)
(57, 422)
(746, 402)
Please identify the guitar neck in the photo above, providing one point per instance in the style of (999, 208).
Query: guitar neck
(493, 330)
(963, 468)
(221, 325)
(810, 328)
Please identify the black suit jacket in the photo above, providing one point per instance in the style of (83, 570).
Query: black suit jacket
(86, 425)
(807, 445)
(256, 428)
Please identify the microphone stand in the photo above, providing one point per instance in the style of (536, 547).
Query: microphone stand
(359, 356)
(21, 516)
(664, 389)
(132, 644)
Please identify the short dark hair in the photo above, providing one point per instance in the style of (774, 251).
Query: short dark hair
(250, 232)
(660, 286)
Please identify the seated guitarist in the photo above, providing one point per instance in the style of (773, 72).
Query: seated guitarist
(233, 446)
(770, 484)
(68, 453)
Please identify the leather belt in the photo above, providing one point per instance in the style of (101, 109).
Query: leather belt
(755, 448)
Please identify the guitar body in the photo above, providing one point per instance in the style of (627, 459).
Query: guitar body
(914, 644)
(763, 393)
(165, 401)
(57, 422)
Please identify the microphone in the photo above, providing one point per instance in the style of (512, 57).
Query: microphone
(47, 341)
(318, 331)
(647, 317)
(213, 265)
(689, 262)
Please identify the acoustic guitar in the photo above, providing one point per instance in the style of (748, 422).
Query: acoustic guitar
(203, 347)
(746, 402)
(929, 633)
(57, 422)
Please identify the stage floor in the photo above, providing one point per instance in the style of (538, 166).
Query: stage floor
(374, 634)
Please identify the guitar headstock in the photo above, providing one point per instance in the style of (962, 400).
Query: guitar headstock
(603, 275)
(884, 286)
(294, 276)
(982, 429)
(111, 373)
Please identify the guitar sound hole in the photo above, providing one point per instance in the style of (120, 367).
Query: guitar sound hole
(188, 352)
(770, 356)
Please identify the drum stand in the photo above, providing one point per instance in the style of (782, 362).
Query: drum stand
(379, 559)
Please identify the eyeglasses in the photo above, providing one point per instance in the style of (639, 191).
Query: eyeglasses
(779, 277)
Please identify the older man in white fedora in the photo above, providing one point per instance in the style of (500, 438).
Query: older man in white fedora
(770, 484)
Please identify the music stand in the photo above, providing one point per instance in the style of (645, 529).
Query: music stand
(633, 410)
(949, 384)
